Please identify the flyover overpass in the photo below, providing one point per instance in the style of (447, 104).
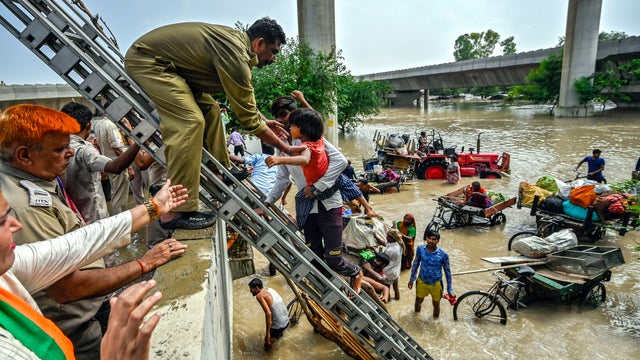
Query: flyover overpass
(503, 70)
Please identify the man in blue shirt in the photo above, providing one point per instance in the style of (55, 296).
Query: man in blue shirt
(596, 167)
(262, 177)
(350, 171)
(431, 260)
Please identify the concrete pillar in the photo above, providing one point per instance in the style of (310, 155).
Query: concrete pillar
(425, 99)
(580, 50)
(317, 27)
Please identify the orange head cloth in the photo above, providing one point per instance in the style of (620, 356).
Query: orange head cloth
(27, 124)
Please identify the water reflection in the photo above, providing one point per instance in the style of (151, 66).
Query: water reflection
(539, 145)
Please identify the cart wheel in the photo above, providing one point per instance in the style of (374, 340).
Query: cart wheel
(295, 311)
(595, 295)
(520, 234)
(497, 219)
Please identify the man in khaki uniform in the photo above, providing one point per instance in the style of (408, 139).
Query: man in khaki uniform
(34, 151)
(112, 145)
(179, 66)
(82, 178)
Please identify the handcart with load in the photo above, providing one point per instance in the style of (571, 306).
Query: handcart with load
(453, 211)
(576, 273)
(577, 206)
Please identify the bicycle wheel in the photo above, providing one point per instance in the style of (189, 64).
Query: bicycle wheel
(433, 225)
(520, 234)
(479, 306)
(295, 311)
(465, 218)
(547, 229)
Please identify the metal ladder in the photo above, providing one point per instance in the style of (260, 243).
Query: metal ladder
(66, 40)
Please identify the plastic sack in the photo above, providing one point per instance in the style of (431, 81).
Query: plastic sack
(601, 188)
(364, 233)
(578, 212)
(564, 189)
(533, 246)
(395, 141)
(563, 239)
(548, 182)
(553, 204)
(497, 197)
(529, 191)
(583, 196)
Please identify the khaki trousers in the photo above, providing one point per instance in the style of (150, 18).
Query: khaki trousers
(188, 121)
(119, 192)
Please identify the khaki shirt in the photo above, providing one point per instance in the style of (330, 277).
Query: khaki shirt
(45, 221)
(109, 137)
(82, 180)
(211, 58)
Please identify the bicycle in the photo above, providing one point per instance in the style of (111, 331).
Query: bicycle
(548, 225)
(486, 305)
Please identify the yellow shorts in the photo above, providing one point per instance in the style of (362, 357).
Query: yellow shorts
(423, 289)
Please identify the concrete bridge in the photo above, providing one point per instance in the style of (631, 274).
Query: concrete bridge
(503, 70)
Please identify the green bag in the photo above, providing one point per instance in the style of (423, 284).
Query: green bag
(367, 254)
(548, 182)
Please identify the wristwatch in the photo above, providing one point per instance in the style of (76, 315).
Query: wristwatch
(315, 190)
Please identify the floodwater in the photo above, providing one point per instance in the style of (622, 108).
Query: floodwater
(539, 145)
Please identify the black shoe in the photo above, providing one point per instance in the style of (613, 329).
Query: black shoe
(192, 220)
(239, 174)
(272, 270)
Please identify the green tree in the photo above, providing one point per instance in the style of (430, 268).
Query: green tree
(475, 45)
(543, 82)
(601, 87)
(630, 70)
(603, 36)
(508, 46)
(357, 100)
(612, 35)
(323, 79)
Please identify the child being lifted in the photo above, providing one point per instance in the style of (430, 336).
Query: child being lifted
(307, 126)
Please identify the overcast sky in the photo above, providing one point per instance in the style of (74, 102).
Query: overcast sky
(374, 35)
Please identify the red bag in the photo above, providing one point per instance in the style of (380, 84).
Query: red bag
(583, 196)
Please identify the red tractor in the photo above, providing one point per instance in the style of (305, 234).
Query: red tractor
(431, 159)
(435, 158)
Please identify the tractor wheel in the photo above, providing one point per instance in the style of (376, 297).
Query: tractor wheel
(435, 172)
(490, 175)
(432, 169)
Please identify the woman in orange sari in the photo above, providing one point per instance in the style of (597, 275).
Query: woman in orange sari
(407, 229)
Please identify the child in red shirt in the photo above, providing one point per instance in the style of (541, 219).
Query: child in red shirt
(307, 126)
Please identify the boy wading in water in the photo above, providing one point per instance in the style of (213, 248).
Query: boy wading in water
(322, 230)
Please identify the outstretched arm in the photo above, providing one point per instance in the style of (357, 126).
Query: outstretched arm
(299, 96)
(299, 160)
(66, 284)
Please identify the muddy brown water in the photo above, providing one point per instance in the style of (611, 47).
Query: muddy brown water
(539, 145)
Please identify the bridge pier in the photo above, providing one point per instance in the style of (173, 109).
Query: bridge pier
(580, 51)
(425, 99)
(408, 98)
(317, 26)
